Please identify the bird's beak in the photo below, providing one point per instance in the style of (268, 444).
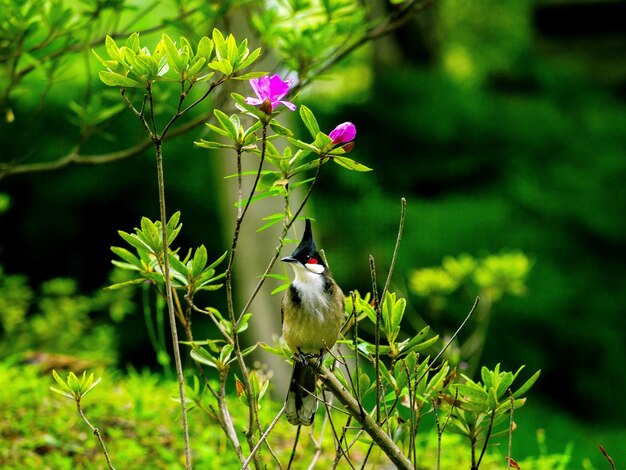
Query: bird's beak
(289, 259)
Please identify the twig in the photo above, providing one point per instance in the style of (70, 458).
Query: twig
(295, 444)
(253, 413)
(96, 432)
(511, 424)
(607, 456)
(75, 158)
(263, 438)
(441, 429)
(170, 304)
(377, 434)
(318, 444)
(395, 249)
(376, 336)
(487, 436)
(447, 345)
(342, 438)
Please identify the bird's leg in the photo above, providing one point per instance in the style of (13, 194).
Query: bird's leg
(319, 360)
(305, 358)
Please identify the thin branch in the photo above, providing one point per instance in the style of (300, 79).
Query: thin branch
(377, 434)
(75, 158)
(607, 456)
(170, 303)
(295, 444)
(487, 436)
(318, 443)
(447, 345)
(228, 421)
(263, 438)
(378, 308)
(395, 249)
(253, 412)
(511, 424)
(96, 432)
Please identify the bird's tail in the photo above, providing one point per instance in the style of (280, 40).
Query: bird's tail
(301, 403)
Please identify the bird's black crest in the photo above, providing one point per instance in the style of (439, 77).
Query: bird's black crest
(307, 248)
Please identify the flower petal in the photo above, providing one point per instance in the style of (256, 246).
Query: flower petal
(344, 132)
(277, 88)
(289, 105)
(253, 101)
(257, 86)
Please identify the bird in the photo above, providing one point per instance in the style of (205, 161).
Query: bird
(312, 312)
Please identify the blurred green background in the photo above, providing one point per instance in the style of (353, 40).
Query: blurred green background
(503, 124)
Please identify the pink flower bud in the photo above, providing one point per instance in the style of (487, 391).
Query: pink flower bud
(343, 133)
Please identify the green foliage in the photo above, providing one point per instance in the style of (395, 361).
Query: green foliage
(190, 273)
(308, 34)
(73, 387)
(38, 428)
(55, 318)
(392, 313)
(491, 276)
(134, 66)
(478, 408)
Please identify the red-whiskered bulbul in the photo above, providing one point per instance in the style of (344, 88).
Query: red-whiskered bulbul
(312, 314)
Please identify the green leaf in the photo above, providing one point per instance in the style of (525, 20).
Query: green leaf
(60, 381)
(90, 385)
(251, 57)
(350, 164)
(119, 285)
(249, 75)
(226, 124)
(302, 145)
(135, 242)
(220, 44)
(279, 129)
(172, 53)
(249, 349)
(115, 79)
(178, 270)
(271, 221)
(309, 121)
(133, 43)
(471, 392)
(243, 323)
(205, 48)
(222, 65)
(202, 356)
(529, 383)
(280, 288)
(199, 261)
(419, 337)
(208, 144)
(218, 261)
(384, 372)
(196, 66)
(112, 49)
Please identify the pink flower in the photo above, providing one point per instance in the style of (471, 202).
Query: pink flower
(343, 133)
(269, 91)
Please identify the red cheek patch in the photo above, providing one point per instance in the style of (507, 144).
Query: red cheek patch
(312, 261)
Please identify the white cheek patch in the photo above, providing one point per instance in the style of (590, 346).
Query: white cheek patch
(315, 268)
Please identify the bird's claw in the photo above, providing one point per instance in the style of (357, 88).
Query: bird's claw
(305, 358)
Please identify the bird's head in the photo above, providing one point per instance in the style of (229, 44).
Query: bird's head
(306, 256)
